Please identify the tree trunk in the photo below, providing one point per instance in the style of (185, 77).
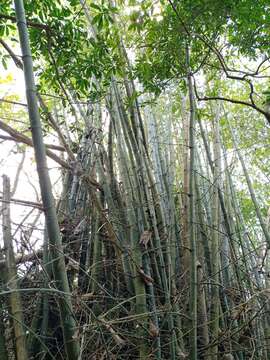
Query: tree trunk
(55, 241)
(191, 220)
(215, 304)
(14, 298)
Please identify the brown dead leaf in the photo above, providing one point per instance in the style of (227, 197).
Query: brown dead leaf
(145, 237)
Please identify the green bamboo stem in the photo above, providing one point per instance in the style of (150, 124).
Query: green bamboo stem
(215, 239)
(67, 318)
(14, 298)
(45, 302)
(227, 221)
(3, 347)
(203, 228)
(250, 187)
(135, 250)
(96, 265)
(191, 213)
(247, 248)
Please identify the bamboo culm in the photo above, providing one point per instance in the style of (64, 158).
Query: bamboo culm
(55, 242)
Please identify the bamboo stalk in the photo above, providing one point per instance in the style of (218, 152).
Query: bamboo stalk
(67, 317)
(215, 305)
(250, 187)
(191, 219)
(3, 347)
(14, 298)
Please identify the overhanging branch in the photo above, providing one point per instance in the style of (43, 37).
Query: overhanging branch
(29, 23)
(234, 101)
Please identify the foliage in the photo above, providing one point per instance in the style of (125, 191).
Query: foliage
(118, 84)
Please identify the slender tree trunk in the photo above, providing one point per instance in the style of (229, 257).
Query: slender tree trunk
(191, 220)
(15, 299)
(185, 197)
(3, 347)
(250, 188)
(215, 304)
(55, 241)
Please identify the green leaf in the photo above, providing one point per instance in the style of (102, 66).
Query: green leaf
(96, 7)
(4, 63)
